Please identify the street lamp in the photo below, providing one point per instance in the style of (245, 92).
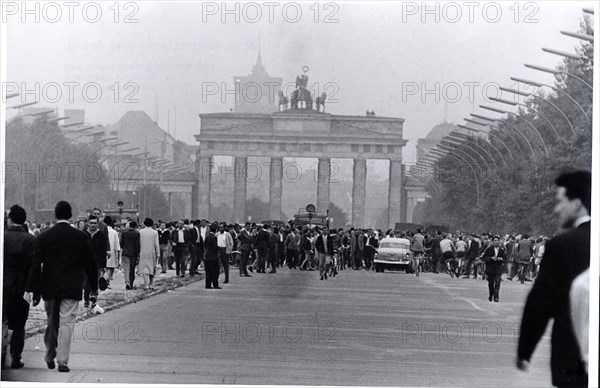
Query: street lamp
(557, 72)
(491, 120)
(458, 134)
(565, 54)
(501, 111)
(449, 142)
(491, 134)
(589, 38)
(539, 85)
(466, 139)
(520, 93)
(515, 103)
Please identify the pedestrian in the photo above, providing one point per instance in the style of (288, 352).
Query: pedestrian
(149, 253)
(164, 235)
(262, 243)
(291, 248)
(181, 240)
(324, 248)
(494, 258)
(18, 258)
(225, 244)
(63, 255)
(471, 255)
(99, 244)
(245, 246)
(130, 252)
(196, 247)
(112, 261)
(566, 256)
(211, 259)
(274, 250)
(436, 252)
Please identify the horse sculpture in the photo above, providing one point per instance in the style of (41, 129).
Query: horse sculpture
(320, 101)
(283, 101)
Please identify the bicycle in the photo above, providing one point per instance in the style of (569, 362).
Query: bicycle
(418, 262)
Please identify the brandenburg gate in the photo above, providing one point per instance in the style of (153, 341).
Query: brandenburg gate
(303, 132)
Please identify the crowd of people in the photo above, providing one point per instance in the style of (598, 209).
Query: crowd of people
(65, 261)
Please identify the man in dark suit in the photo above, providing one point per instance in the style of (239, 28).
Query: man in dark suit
(18, 256)
(130, 252)
(180, 238)
(63, 255)
(262, 243)
(273, 250)
(566, 256)
(494, 258)
(196, 247)
(472, 254)
(436, 252)
(211, 259)
(99, 247)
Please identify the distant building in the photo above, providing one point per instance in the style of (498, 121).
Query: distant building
(137, 128)
(257, 92)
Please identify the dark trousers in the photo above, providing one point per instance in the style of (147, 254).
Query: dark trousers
(224, 259)
(15, 320)
(468, 263)
(212, 273)
(86, 284)
(196, 258)
(273, 257)
(291, 258)
(358, 254)
(435, 262)
(494, 284)
(179, 252)
(244, 262)
(263, 256)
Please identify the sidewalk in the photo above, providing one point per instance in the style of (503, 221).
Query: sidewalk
(113, 298)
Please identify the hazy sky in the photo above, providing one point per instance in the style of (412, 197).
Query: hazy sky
(373, 55)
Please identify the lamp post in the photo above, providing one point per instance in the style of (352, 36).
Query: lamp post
(557, 72)
(491, 120)
(539, 85)
(466, 138)
(485, 141)
(502, 111)
(490, 134)
(516, 103)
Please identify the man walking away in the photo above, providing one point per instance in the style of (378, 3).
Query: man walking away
(130, 245)
(63, 255)
(18, 257)
(494, 258)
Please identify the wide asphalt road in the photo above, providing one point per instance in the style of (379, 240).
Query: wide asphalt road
(359, 328)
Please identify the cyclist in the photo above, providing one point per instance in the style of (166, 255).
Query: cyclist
(448, 255)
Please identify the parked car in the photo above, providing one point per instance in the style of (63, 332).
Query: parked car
(394, 254)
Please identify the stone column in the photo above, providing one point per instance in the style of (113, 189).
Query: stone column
(170, 200)
(410, 207)
(240, 165)
(323, 179)
(204, 170)
(188, 198)
(359, 188)
(275, 191)
(395, 193)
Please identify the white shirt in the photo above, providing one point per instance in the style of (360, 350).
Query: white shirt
(222, 240)
(203, 232)
(581, 220)
(199, 234)
(180, 236)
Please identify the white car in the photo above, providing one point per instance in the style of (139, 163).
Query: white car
(395, 254)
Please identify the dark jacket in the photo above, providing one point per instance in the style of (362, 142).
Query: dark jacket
(566, 256)
(130, 243)
(493, 267)
(436, 250)
(245, 240)
(66, 255)
(187, 238)
(320, 245)
(263, 240)
(99, 247)
(211, 247)
(193, 235)
(473, 251)
(18, 257)
(164, 236)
